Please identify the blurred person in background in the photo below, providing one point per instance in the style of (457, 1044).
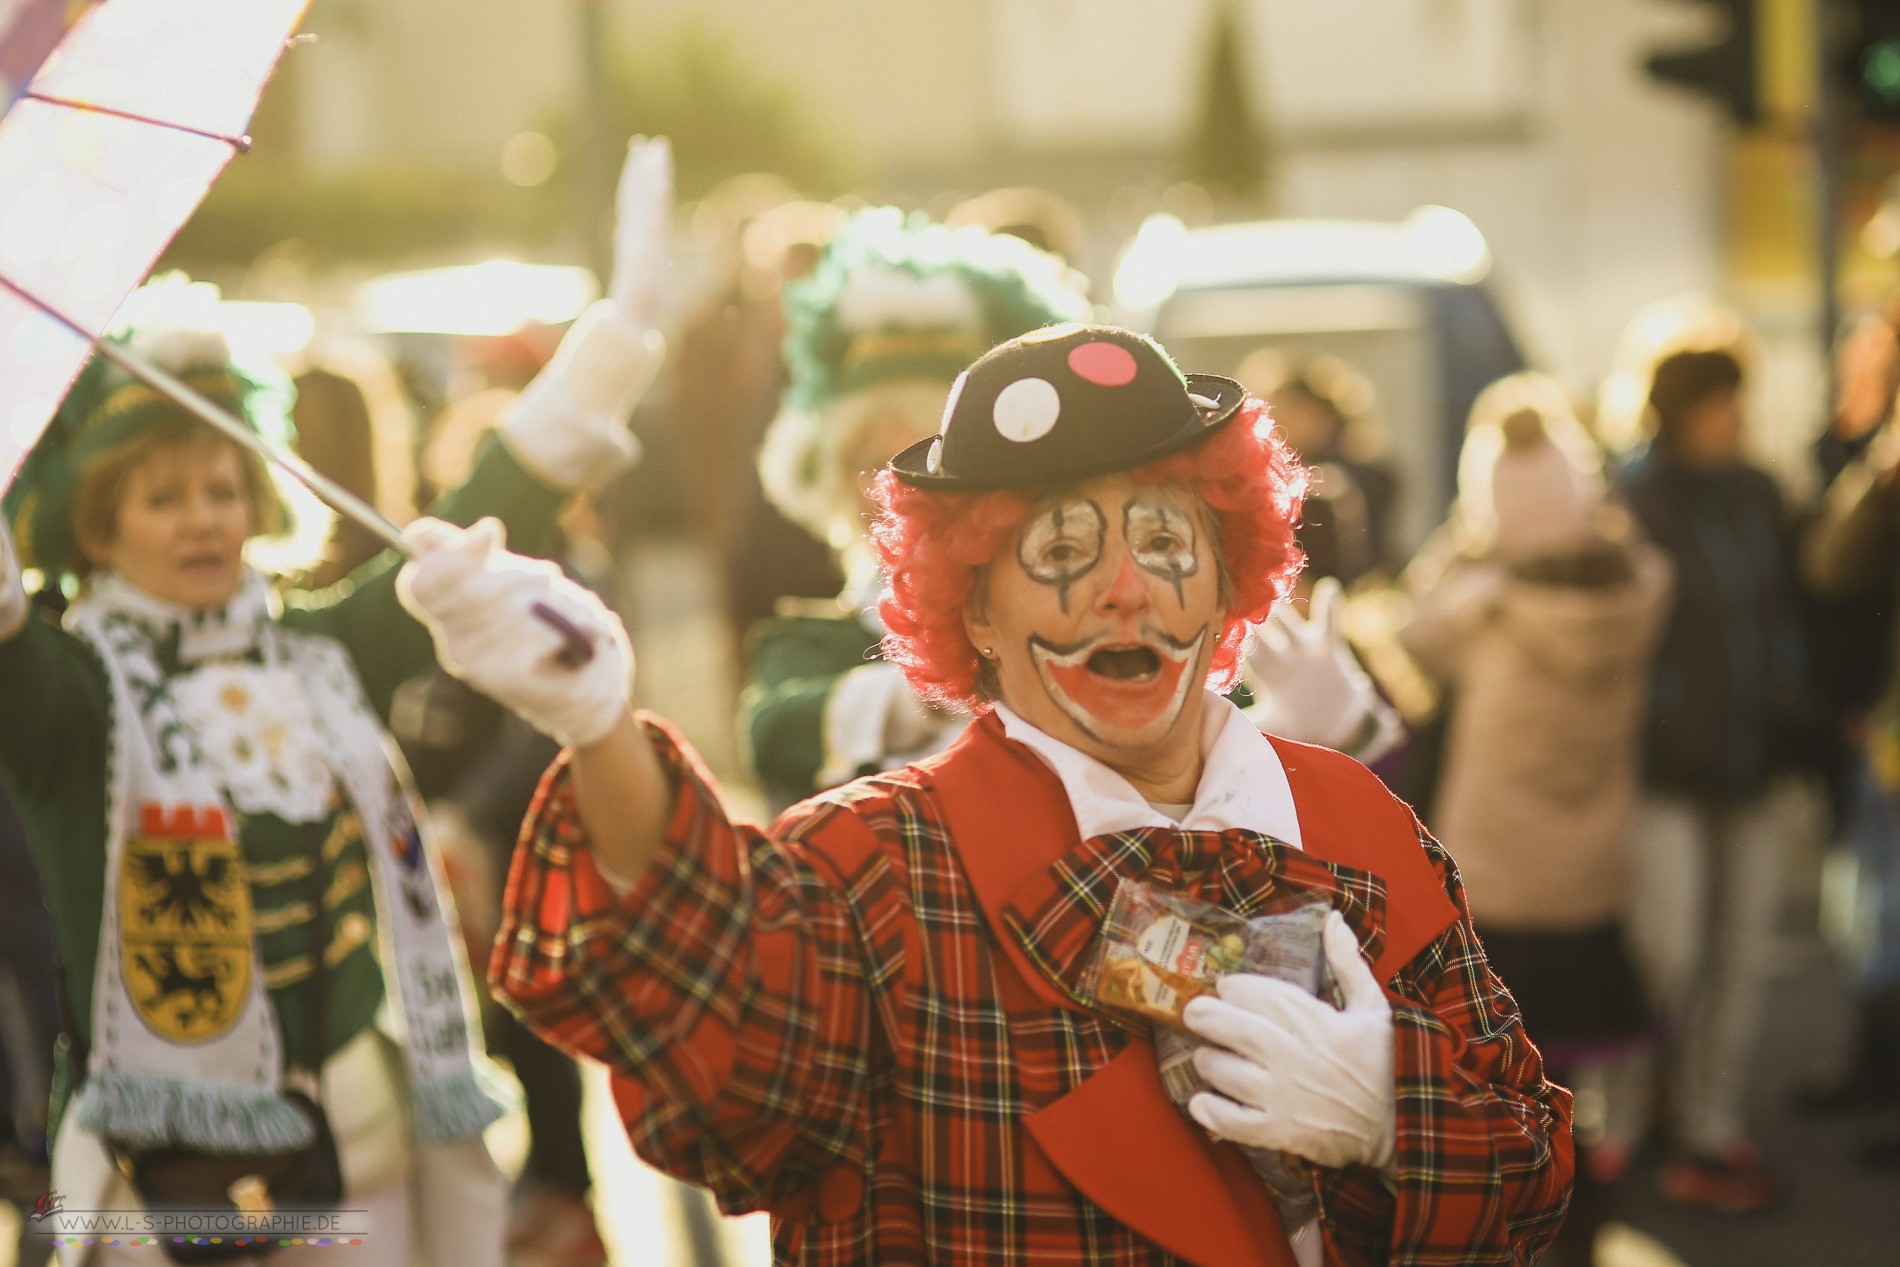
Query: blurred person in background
(1850, 620)
(722, 390)
(29, 1026)
(354, 426)
(1324, 407)
(1728, 722)
(1851, 558)
(476, 766)
(1866, 377)
(868, 1020)
(876, 335)
(1544, 619)
(191, 743)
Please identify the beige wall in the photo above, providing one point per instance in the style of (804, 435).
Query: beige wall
(893, 76)
(436, 81)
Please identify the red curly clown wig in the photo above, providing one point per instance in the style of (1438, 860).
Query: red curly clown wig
(935, 546)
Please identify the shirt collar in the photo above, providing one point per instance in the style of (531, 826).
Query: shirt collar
(1243, 784)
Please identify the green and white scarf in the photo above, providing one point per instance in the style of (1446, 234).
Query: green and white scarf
(260, 719)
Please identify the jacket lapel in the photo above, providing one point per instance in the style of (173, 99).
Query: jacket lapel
(1119, 1140)
(1347, 817)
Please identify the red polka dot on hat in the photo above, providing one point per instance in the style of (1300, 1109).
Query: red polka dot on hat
(1104, 364)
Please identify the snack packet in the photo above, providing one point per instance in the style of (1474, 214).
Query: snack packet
(1158, 949)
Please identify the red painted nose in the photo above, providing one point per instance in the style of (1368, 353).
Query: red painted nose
(1127, 593)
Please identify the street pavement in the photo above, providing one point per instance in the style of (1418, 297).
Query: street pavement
(1833, 1213)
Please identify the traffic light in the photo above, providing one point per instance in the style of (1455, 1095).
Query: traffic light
(1724, 68)
(1871, 60)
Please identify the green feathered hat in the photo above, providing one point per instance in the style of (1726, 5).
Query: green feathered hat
(107, 407)
(893, 299)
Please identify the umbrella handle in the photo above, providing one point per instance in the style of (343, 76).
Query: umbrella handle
(577, 648)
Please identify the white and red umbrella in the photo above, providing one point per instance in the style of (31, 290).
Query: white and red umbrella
(104, 154)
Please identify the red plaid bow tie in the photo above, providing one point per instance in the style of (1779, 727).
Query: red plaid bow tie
(1057, 914)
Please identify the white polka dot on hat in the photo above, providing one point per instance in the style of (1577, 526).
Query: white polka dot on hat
(1026, 410)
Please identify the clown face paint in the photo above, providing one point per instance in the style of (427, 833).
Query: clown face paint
(1104, 617)
(1160, 534)
(1061, 544)
(1108, 685)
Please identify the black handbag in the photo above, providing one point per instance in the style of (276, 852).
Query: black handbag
(172, 1178)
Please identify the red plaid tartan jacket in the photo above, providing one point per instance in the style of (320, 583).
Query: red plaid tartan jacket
(866, 1022)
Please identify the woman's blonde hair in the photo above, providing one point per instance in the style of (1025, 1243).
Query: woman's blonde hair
(103, 482)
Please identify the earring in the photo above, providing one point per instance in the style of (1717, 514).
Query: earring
(988, 653)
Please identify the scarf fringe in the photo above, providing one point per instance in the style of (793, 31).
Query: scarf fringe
(151, 1112)
(460, 1106)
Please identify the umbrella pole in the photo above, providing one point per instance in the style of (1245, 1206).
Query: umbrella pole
(339, 498)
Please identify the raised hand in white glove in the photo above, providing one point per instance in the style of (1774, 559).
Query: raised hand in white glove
(1292, 1072)
(1311, 686)
(477, 601)
(570, 425)
(12, 593)
(643, 213)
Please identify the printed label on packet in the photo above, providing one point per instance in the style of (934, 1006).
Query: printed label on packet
(1169, 943)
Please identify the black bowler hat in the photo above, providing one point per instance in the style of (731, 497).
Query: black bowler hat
(1063, 403)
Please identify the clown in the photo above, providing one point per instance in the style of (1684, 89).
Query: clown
(871, 1019)
(875, 338)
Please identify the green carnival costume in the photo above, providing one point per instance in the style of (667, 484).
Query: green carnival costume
(895, 309)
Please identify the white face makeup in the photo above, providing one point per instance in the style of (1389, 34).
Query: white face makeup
(1105, 617)
(1160, 534)
(1061, 544)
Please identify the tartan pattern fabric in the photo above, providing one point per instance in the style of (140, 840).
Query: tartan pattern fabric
(815, 1022)
(1057, 917)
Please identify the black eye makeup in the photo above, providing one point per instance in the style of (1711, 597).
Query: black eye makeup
(1160, 535)
(1059, 545)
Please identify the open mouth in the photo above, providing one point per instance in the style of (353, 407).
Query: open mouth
(1125, 686)
(1125, 664)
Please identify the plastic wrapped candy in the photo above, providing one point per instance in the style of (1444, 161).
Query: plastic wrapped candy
(1159, 949)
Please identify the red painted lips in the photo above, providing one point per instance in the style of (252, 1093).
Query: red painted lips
(1123, 686)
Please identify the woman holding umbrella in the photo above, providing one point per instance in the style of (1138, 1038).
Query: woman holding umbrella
(261, 962)
(871, 1019)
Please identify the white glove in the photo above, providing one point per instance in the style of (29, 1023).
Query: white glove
(873, 720)
(12, 593)
(570, 425)
(477, 601)
(643, 214)
(1295, 1074)
(1311, 686)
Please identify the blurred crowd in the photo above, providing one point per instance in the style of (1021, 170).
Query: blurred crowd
(1632, 688)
